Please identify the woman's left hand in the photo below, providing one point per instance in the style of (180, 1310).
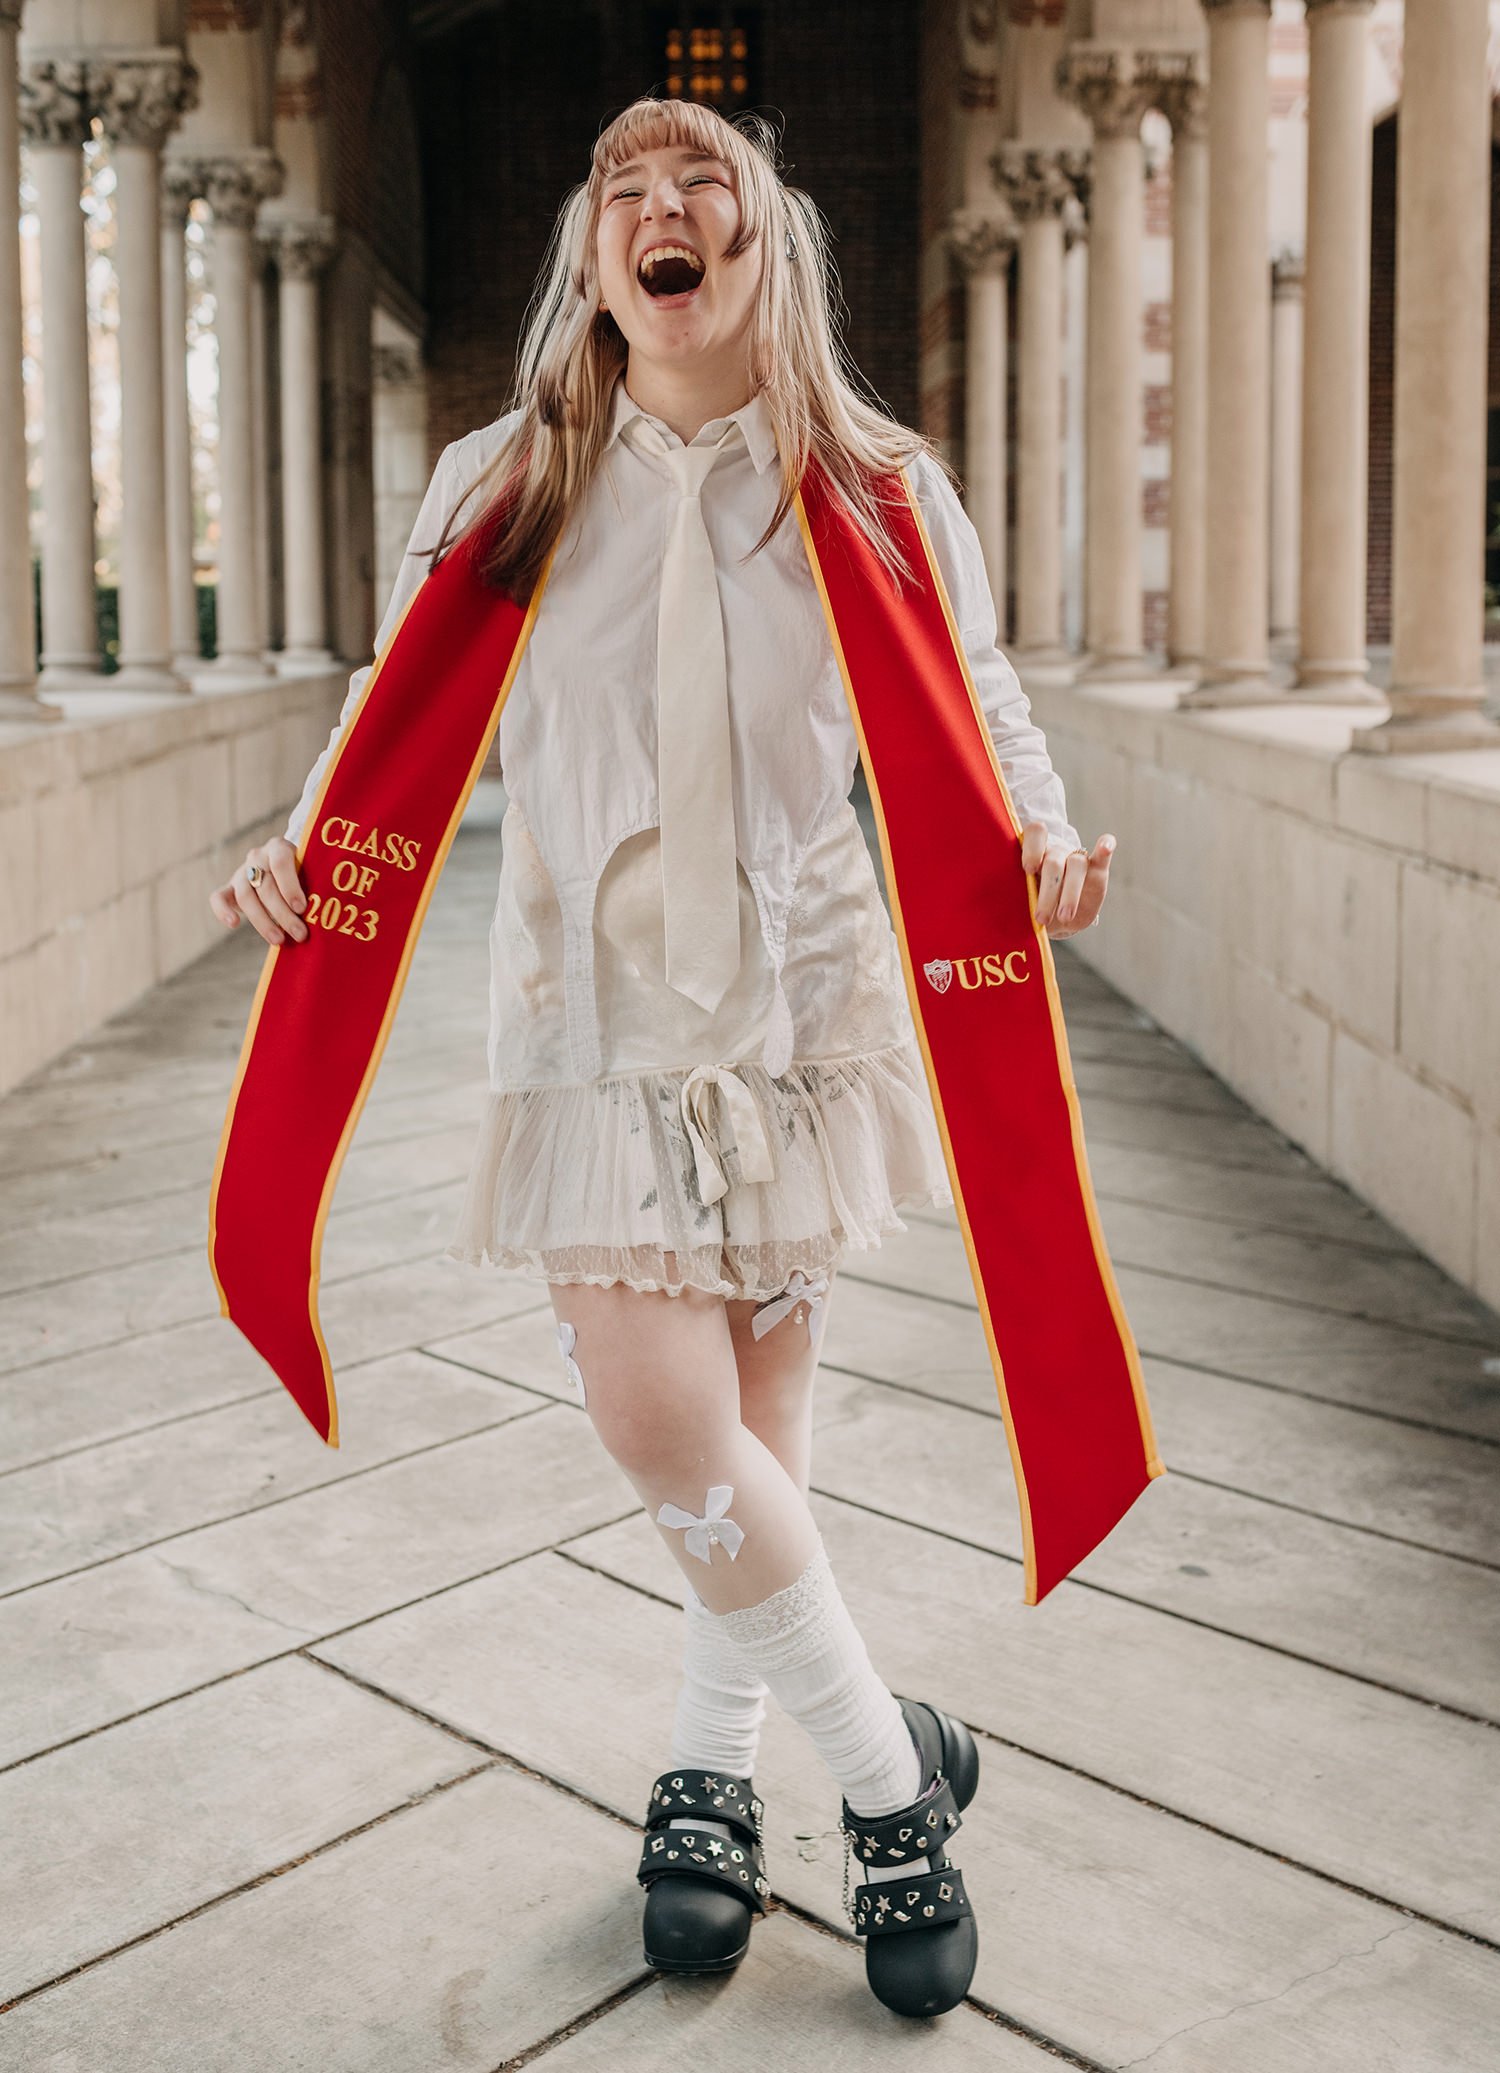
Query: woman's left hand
(1070, 889)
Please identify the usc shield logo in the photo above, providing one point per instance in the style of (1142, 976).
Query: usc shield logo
(993, 970)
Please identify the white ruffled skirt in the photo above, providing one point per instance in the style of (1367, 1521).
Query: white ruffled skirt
(712, 1174)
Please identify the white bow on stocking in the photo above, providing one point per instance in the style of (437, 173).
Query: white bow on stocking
(798, 1290)
(713, 1526)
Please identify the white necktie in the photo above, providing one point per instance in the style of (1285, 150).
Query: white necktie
(700, 888)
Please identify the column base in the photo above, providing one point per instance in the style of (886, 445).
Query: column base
(1423, 734)
(150, 676)
(20, 702)
(1108, 668)
(296, 662)
(1184, 669)
(1250, 686)
(73, 676)
(232, 673)
(1334, 683)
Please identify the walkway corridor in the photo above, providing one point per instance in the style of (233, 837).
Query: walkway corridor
(336, 1759)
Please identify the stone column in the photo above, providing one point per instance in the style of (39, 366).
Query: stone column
(18, 699)
(1286, 441)
(1038, 187)
(1236, 519)
(1442, 295)
(1184, 102)
(54, 121)
(1104, 85)
(983, 243)
(303, 249)
(234, 188)
(1331, 665)
(178, 188)
(139, 101)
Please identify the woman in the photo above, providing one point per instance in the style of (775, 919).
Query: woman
(705, 1081)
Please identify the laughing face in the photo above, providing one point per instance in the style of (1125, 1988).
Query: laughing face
(664, 223)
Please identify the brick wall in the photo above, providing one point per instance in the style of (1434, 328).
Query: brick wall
(510, 106)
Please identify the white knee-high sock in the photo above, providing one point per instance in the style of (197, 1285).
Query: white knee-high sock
(721, 1701)
(805, 1645)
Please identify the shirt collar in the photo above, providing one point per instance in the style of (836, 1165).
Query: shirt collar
(753, 418)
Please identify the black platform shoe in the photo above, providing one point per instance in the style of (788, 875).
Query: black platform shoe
(921, 1941)
(703, 1890)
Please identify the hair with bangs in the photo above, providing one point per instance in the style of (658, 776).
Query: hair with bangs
(571, 353)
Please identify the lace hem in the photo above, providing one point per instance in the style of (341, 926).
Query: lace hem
(718, 1178)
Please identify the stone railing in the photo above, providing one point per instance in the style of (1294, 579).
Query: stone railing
(113, 828)
(1321, 927)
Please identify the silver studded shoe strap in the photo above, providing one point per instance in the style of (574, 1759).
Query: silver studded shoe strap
(916, 1831)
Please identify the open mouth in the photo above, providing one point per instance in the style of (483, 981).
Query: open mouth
(671, 274)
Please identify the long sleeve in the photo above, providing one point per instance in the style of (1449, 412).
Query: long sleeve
(1035, 787)
(443, 493)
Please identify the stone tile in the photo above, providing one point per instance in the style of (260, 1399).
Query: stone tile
(94, 1648)
(440, 1936)
(96, 1309)
(1056, 1862)
(1223, 1142)
(806, 2004)
(1428, 1487)
(362, 1546)
(1409, 1149)
(1373, 1607)
(186, 1802)
(104, 1500)
(90, 1397)
(1296, 1267)
(1186, 1093)
(1451, 924)
(1309, 1202)
(522, 1349)
(1280, 1056)
(403, 1306)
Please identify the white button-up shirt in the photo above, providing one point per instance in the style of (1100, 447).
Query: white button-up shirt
(577, 735)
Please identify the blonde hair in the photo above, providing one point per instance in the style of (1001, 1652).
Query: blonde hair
(571, 354)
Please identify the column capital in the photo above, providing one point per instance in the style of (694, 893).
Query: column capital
(142, 97)
(981, 240)
(180, 188)
(1179, 92)
(1317, 7)
(236, 186)
(1212, 7)
(301, 246)
(1037, 182)
(10, 12)
(54, 101)
(1107, 84)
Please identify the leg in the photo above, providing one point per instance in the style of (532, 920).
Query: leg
(662, 1388)
(721, 1702)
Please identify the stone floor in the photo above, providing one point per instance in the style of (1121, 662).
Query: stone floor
(335, 1760)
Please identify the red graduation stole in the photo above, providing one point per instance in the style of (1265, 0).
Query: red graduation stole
(979, 975)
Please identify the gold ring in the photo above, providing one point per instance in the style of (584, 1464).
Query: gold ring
(1076, 853)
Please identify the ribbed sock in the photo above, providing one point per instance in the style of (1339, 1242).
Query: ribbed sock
(721, 1704)
(803, 1642)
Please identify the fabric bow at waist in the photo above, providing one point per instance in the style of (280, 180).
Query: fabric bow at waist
(750, 1140)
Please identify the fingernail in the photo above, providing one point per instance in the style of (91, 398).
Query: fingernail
(300, 934)
(298, 906)
(1109, 844)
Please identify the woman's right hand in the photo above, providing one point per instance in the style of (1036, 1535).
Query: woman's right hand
(272, 905)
